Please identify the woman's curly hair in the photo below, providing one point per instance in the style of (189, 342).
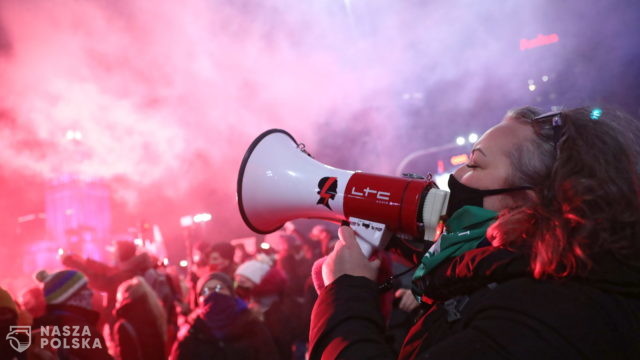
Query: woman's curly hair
(587, 196)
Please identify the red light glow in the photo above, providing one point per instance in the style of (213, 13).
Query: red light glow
(538, 41)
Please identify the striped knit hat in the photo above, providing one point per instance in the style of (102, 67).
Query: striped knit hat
(62, 285)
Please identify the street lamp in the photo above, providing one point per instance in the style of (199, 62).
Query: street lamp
(189, 220)
(460, 141)
(189, 223)
(422, 152)
(201, 218)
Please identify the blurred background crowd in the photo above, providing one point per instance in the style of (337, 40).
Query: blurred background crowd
(119, 118)
(228, 302)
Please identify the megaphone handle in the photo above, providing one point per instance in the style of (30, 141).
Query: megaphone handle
(369, 234)
(366, 246)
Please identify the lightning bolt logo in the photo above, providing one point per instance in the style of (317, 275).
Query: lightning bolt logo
(328, 187)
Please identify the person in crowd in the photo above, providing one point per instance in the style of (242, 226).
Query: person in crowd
(263, 286)
(306, 245)
(8, 319)
(540, 258)
(249, 274)
(68, 305)
(321, 240)
(296, 266)
(129, 263)
(217, 257)
(201, 261)
(224, 327)
(221, 258)
(140, 329)
(210, 258)
(200, 267)
(32, 301)
(168, 292)
(180, 284)
(240, 254)
(293, 262)
(107, 278)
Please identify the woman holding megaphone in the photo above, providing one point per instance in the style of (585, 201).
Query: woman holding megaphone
(540, 258)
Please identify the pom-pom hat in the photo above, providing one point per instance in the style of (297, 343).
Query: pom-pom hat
(60, 286)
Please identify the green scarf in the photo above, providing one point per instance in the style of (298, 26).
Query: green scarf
(465, 229)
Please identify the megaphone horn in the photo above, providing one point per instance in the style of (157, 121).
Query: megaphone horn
(279, 181)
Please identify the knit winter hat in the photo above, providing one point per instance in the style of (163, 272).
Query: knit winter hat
(62, 285)
(6, 301)
(254, 270)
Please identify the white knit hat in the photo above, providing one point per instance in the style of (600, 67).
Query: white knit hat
(253, 270)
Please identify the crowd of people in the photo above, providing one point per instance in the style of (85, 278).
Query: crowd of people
(538, 258)
(137, 308)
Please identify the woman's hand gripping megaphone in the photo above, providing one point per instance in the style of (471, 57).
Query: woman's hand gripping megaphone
(347, 258)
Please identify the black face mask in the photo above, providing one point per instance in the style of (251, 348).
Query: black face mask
(462, 195)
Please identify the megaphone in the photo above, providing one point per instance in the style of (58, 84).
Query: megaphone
(279, 181)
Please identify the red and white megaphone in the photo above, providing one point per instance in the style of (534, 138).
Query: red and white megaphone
(279, 181)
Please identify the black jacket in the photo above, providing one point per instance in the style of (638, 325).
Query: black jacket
(74, 319)
(487, 306)
(247, 339)
(137, 334)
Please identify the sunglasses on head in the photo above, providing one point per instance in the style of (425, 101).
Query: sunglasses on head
(553, 119)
